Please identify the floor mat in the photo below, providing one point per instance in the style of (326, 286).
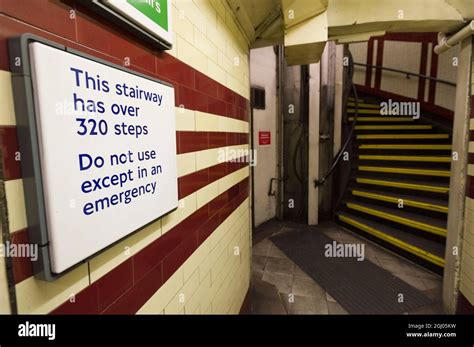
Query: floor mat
(360, 287)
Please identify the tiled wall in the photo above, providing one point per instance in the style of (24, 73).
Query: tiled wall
(466, 301)
(196, 259)
(467, 255)
(412, 52)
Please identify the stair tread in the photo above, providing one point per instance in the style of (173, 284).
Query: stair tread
(403, 214)
(351, 98)
(408, 181)
(366, 118)
(427, 245)
(414, 146)
(394, 127)
(391, 169)
(363, 105)
(412, 197)
(401, 157)
(375, 112)
(403, 136)
(405, 184)
(408, 155)
(384, 164)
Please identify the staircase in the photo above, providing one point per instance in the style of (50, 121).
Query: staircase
(399, 187)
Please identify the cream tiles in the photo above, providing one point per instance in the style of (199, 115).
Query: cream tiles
(185, 119)
(15, 205)
(7, 110)
(35, 296)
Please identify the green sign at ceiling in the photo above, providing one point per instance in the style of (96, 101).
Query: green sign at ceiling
(156, 10)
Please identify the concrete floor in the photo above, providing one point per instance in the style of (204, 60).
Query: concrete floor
(279, 286)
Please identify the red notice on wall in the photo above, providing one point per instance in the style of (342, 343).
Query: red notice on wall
(264, 138)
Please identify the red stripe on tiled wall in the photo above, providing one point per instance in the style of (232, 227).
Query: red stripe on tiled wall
(22, 267)
(186, 141)
(423, 62)
(192, 141)
(86, 33)
(378, 72)
(194, 181)
(470, 179)
(464, 306)
(125, 289)
(370, 58)
(90, 34)
(424, 39)
(425, 107)
(433, 73)
(128, 286)
(9, 148)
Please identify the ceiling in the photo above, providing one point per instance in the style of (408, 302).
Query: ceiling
(304, 26)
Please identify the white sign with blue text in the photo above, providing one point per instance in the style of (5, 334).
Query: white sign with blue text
(107, 143)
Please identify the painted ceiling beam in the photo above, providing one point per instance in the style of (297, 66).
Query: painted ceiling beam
(305, 41)
(347, 21)
(355, 16)
(306, 25)
(298, 11)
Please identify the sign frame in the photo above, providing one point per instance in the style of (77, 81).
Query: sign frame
(27, 131)
(121, 20)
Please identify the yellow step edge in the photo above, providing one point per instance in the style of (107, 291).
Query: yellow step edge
(407, 202)
(363, 104)
(362, 111)
(394, 241)
(405, 158)
(350, 98)
(393, 127)
(372, 111)
(382, 119)
(412, 147)
(402, 185)
(402, 136)
(401, 220)
(406, 171)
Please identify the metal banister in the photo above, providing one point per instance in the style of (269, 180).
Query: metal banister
(407, 73)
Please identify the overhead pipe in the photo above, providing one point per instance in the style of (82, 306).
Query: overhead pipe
(445, 43)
